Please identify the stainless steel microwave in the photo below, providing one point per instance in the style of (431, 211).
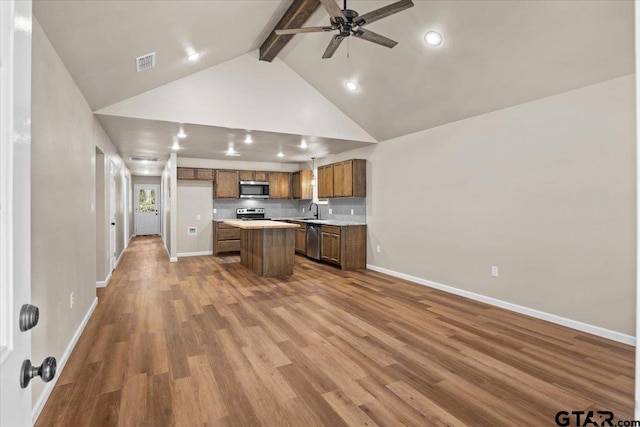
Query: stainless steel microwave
(254, 190)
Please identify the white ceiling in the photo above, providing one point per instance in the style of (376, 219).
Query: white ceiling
(210, 142)
(495, 54)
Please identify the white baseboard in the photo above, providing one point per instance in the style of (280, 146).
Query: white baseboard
(48, 388)
(563, 321)
(105, 282)
(202, 253)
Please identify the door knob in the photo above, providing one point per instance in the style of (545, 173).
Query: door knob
(113, 223)
(47, 371)
(29, 316)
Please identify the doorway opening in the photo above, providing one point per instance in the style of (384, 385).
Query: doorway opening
(147, 205)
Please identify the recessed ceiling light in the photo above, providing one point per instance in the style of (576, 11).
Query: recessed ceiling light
(303, 144)
(432, 38)
(175, 146)
(351, 86)
(281, 154)
(181, 134)
(248, 140)
(194, 56)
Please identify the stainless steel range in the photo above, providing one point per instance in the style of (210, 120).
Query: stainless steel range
(248, 214)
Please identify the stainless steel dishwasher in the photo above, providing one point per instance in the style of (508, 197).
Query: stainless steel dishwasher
(313, 241)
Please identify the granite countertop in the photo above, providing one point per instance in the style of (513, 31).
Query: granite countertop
(335, 222)
(258, 224)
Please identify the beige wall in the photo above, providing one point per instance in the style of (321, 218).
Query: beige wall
(65, 134)
(544, 190)
(137, 179)
(194, 199)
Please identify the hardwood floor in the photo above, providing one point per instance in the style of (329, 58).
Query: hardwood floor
(206, 342)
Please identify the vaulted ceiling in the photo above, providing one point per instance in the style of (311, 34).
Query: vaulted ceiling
(495, 54)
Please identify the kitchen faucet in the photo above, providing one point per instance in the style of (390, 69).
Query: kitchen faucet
(317, 214)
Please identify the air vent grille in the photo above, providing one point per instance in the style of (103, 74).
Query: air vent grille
(143, 159)
(145, 62)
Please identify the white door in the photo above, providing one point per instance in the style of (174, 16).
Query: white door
(15, 207)
(147, 199)
(112, 215)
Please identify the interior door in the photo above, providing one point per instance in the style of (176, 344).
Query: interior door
(112, 215)
(147, 199)
(15, 207)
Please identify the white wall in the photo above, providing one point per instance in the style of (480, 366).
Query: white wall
(194, 210)
(65, 134)
(543, 190)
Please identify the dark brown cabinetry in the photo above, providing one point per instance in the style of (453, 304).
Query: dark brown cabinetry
(254, 176)
(345, 246)
(301, 185)
(279, 186)
(343, 179)
(226, 185)
(196, 174)
(226, 238)
(325, 181)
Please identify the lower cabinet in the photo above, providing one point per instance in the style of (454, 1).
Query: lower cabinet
(345, 246)
(226, 238)
(301, 239)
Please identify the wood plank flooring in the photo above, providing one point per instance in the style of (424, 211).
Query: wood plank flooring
(206, 342)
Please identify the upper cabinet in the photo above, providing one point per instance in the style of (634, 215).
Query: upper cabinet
(301, 187)
(254, 176)
(279, 185)
(343, 179)
(226, 185)
(325, 181)
(195, 174)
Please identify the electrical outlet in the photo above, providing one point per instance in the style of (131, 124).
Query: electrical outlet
(71, 300)
(378, 248)
(330, 211)
(215, 211)
(93, 207)
(198, 217)
(302, 210)
(351, 211)
(494, 271)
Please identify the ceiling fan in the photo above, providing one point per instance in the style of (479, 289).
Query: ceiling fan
(349, 23)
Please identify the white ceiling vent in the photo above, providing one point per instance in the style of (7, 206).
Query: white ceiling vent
(143, 159)
(145, 62)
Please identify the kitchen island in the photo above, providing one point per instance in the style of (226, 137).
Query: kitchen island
(266, 247)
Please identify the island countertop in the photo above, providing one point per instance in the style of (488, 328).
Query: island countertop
(260, 224)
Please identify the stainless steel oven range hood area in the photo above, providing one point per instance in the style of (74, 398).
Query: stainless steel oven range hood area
(254, 190)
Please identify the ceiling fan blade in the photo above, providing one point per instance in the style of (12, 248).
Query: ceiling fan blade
(286, 31)
(383, 12)
(376, 38)
(334, 10)
(333, 45)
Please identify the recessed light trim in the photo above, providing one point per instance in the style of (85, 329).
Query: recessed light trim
(181, 134)
(281, 154)
(351, 86)
(433, 38)
(248, 139)
(194, 56)
(303, 144)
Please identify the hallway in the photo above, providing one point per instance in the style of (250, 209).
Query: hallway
(206, 342)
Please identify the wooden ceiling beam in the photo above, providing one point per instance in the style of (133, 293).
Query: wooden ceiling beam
(295, 17)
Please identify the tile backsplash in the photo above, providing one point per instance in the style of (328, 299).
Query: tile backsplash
(340, 208)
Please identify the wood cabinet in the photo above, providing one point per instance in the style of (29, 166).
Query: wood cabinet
(301, 187)
(325, 181)
(279, 185)
(195, 174)
(343, 179)
(226, 185)
(301, 238)
(226, 238)
(345, 246)
(254, 176)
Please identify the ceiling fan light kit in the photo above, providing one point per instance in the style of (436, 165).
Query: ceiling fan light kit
(348, 23)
